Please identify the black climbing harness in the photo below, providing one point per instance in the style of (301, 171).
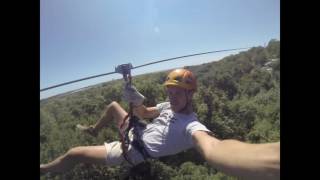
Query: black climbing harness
(134, 123)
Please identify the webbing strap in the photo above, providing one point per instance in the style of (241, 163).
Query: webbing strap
(124, 69)
(137, 143)
(124, 141)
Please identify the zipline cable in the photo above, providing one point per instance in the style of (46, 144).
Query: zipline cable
(170, 59)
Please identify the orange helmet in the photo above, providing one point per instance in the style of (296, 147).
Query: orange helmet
(181, 78)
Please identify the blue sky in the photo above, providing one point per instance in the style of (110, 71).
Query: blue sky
(80, 38)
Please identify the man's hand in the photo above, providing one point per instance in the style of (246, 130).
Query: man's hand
(131, 94)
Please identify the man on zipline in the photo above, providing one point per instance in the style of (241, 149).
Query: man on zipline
(174, 128)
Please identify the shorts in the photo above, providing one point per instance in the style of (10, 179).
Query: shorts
(115, 157)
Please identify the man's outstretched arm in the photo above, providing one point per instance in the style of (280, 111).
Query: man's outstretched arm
(248, 161)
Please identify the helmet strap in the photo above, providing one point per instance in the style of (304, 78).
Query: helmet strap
(187, 103)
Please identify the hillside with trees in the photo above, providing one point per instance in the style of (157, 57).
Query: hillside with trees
(238, 97)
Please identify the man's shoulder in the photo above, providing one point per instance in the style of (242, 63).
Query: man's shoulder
(162, 106)
(184, 120)
(194, 123)
(163, 103)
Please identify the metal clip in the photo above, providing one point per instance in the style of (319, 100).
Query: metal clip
(125, 70)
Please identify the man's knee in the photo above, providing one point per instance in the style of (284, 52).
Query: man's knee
(114, 107)
(113, 104)
(116, 111)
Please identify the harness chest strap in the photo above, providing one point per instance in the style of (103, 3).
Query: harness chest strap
(137, 143)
